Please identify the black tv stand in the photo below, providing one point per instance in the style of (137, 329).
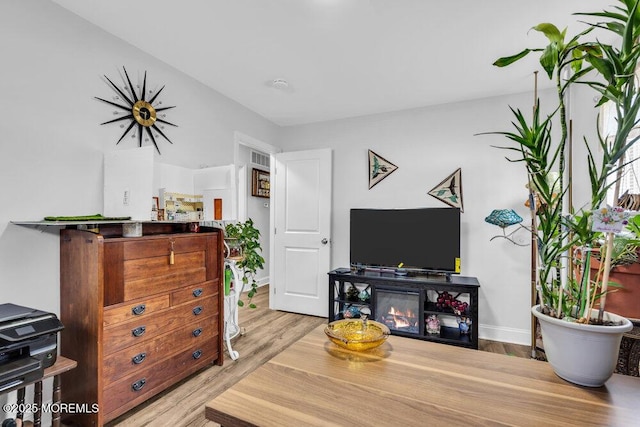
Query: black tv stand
(349, 291)
(428, 274)
(360, 269)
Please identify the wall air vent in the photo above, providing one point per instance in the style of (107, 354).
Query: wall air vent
(260, 159)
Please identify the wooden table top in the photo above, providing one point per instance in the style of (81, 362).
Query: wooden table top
(409, 382)
(62, 365)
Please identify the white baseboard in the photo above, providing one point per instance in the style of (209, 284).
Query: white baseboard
(510, 335)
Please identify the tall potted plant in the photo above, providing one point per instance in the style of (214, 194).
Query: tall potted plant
(248, 237)
(566, 303)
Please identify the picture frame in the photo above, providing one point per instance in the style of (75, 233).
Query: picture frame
(260, 183)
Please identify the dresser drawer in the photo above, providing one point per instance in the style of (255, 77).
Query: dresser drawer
(195, 292)
(159, 246)
(134, 331)
(138, 356)
(136, 388)
(138, 267)
(150, 276)
(137, 309)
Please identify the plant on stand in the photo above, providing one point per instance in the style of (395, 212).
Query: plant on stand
(567, 300)
(248, 238)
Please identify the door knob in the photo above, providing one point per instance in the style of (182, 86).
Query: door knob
(324, 241)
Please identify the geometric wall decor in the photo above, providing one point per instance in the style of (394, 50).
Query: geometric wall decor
(379, 168)
(450, 190)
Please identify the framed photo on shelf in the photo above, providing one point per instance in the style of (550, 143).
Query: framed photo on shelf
(260, 183)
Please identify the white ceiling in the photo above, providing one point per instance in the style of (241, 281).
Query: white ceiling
(342, 58)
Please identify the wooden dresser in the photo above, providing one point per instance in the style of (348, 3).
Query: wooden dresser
(140, 314)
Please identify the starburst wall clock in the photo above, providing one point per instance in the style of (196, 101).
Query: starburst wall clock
(140, 109)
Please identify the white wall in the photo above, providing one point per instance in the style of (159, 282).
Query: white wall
(427, 145)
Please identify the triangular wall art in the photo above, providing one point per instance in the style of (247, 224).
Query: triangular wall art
(379, 168)
(450, 190)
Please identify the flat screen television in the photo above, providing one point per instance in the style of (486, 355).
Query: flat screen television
(422, 239)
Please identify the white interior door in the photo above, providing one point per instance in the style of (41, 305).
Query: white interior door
(301, 215)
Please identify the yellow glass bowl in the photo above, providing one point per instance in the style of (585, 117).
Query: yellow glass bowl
(350, 334)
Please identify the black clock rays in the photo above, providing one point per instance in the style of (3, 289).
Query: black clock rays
(142, 114)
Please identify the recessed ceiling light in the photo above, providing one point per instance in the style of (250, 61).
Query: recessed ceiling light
(280, 84)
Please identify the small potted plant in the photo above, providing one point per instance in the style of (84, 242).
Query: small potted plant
(566, 302)
(624, 276)
(248, 238)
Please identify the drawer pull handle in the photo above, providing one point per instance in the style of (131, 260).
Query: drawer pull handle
(139, 358)
(139, 331)
(137, 386)
(197, 332)
(197, 310)
(138, 309)
(197, 292)
(196, 354)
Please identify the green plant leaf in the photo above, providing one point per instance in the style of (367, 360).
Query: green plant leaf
(508, 60)
(551, 32)
(549, 59)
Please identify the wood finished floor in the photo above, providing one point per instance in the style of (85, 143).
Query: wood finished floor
(266, 333)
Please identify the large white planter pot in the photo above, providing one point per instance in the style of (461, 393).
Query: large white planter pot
(582, 354)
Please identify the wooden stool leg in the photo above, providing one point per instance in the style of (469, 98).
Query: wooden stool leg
(55, 416)
(20, 414)
(37, 399)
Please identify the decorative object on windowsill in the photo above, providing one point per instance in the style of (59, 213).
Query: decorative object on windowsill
(364, 296)
(140, 108)
(379, 168)
(433, 324)
(449, 190)
(249, 239)
(629, 201)
(504, 218)
(565, 304)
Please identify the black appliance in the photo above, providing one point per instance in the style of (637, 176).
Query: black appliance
(422, 239)
(28, 344)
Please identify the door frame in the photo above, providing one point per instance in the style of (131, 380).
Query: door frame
(239, 139)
